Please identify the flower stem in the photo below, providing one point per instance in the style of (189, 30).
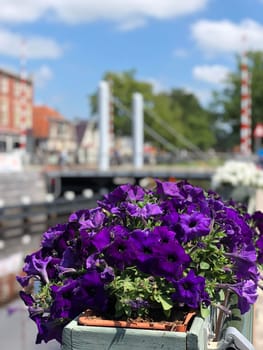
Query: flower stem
(220, 317)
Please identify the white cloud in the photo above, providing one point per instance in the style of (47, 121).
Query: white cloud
(16, 11)
(157, 85)
(182, 53)
(131, 24)
(42, 76)
(34, 47)
(228, 37)
(203, 95)
(214, 74)
(118, 11)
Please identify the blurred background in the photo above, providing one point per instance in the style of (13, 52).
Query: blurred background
(94, 94)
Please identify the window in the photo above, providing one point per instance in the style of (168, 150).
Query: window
(16, 115)
(18, 88)
(60, 129)
(29, 92)
(4, 85)
(4, 112)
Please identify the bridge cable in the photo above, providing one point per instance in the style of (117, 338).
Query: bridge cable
(150, 131)
(174, 133)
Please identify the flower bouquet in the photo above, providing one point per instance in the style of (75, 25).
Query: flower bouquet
(144, 253)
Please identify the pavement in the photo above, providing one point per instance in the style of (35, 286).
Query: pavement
(17, 331)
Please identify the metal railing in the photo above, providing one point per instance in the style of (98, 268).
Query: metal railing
(28, 219)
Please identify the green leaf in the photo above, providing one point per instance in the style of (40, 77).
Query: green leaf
(205, 312)
(204, 265)
(128, 285)
(222, 295)
(166, 303)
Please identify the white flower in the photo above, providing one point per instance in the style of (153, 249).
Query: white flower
(238, 173)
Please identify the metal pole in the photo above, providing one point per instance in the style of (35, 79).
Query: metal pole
(104, 123)
(137, 130)
(111, 121)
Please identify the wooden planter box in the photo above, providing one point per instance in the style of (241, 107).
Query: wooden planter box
(79, 337)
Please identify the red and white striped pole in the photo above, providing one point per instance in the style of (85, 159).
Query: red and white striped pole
(23, 100)
(249, 113)
(245, 115)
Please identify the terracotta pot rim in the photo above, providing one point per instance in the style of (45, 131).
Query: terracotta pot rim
(169, 326)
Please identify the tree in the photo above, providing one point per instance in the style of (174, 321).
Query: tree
(189, 122)
(226, 104)
(123, 85)
(181, 115)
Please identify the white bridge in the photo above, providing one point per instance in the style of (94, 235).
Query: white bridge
(105, 102)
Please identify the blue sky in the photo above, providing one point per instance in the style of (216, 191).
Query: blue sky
(67, 45)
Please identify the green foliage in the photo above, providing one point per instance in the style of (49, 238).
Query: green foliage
(123, 85)
(211, 261)
(183, 114)
(228, 101)
(132, 288)
(180, 112)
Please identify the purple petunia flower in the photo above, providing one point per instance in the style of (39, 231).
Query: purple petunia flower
(143, 252)
(141, 249)
(24, 280)
(119, 253)
(122, 193)
(91, 219)
(48, 329)
(106, 236)
(244, 263)
(194, 225)
(164, 234)
(132, 209)
(192, 193)
(190, 290)
(52, 235)
(238, 232)
(138, 303)
(27, 298)
(147, 211)
(36, 264)
(100, 265)
(171, 260)
(151, 210)
(247, 294)
(168, 189)
(259, 245)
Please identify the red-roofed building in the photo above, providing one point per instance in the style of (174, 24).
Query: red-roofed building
(53, 133)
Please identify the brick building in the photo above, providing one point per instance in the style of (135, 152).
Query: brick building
(53, 134)
(16, 110)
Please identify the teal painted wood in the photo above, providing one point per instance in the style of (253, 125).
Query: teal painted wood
(247, 329)
(76, 337)
(243, 323)
(197, 337)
